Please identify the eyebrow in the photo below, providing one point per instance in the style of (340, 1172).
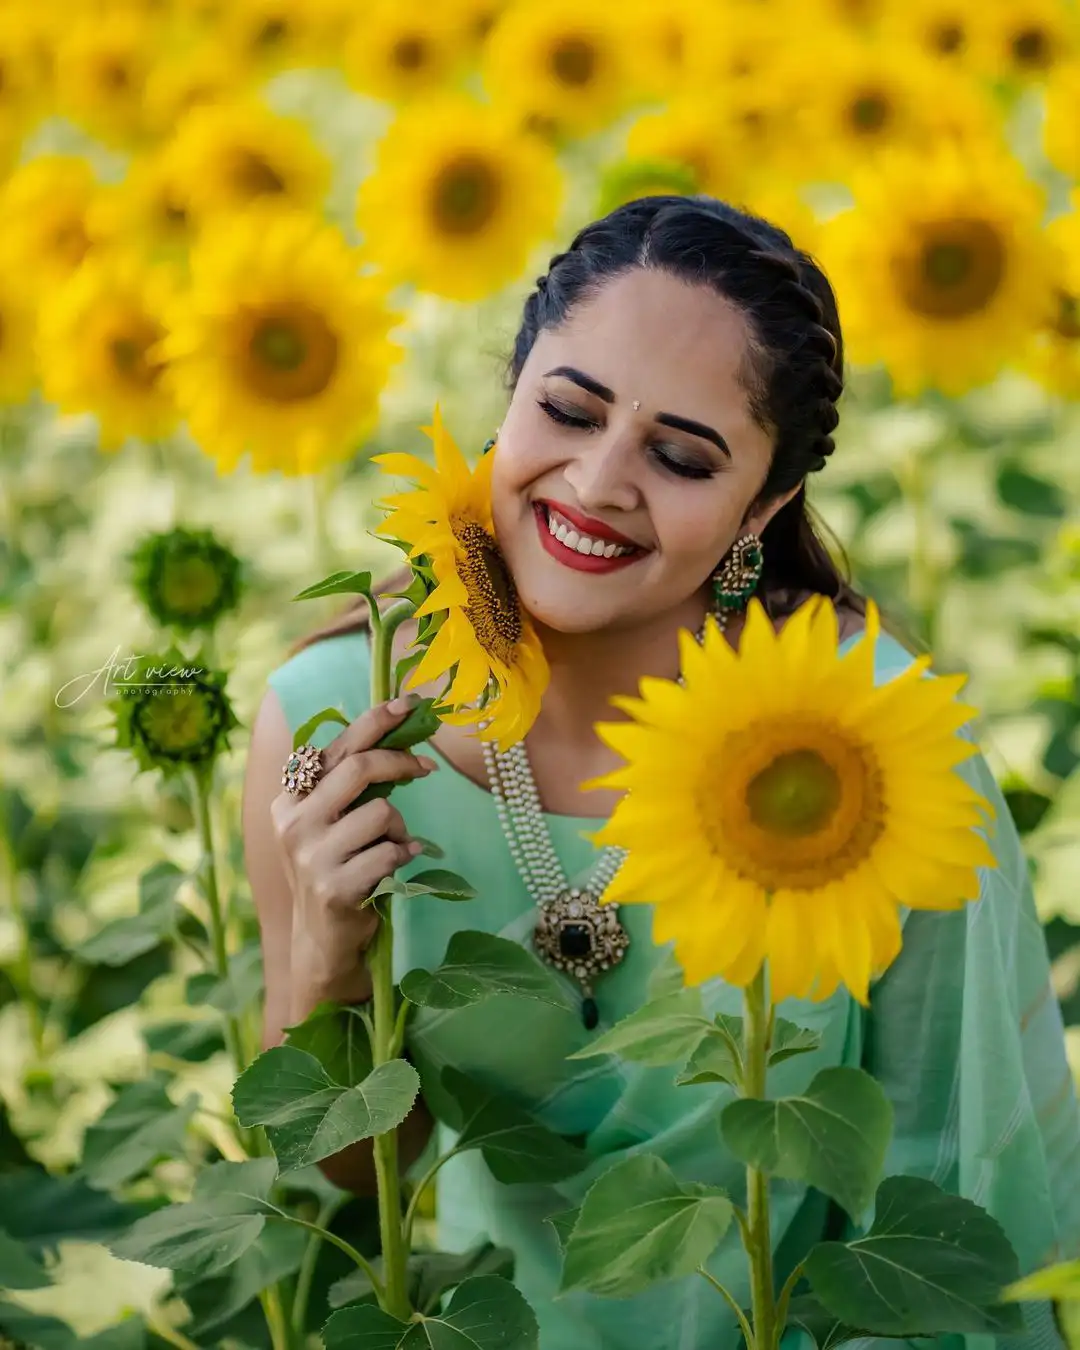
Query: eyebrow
(601, 391)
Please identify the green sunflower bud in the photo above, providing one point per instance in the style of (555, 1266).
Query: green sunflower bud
(187, 579)
(174, 713)
(632, 178)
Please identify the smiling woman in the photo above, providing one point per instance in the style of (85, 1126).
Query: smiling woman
(673, 383)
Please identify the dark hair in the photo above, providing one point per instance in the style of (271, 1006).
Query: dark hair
(793, 371)
(794, 367)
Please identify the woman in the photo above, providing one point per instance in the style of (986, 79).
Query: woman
(674, 380)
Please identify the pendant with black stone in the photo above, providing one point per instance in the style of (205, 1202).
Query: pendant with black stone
(577, 934)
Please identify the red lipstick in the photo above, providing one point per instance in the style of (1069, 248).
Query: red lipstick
(596, 529)
(582, 562)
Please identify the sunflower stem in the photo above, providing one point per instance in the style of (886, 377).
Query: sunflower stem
(757, 1020)
(394, 1297)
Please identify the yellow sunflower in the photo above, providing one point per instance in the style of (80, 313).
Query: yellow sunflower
(102, 63)
(229, 155)
(97, 336)
(946, 31)
(401, 50)
(45, 206)
(484, 636)
(148, 210)
(18, 368)
(662, 37)
(189, 77)
(941, 268)
(1054, 356)
(808, 805)
(1026, 40)
(267, 36)
(278, 346)
(1061, 129)
(458, 199)
(23, 98)
(565, 66)
(693, 132)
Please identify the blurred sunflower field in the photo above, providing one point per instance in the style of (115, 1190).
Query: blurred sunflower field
(244, 246)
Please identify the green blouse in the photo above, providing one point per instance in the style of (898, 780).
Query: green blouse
(964, 1034)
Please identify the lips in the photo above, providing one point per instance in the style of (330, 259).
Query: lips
(568, 550)
(595, 529)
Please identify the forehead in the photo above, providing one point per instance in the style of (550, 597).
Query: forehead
(651, 336)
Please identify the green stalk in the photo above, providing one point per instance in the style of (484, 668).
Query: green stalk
(306, 1273)
(395, 1300)
(756, 1024)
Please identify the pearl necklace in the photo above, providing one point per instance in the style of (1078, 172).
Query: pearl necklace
(574, 933)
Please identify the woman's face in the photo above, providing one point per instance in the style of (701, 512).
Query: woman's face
(656, 494)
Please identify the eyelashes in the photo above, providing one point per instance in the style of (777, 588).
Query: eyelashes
(675, 466)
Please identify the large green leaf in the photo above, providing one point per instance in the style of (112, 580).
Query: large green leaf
(932, 1263)
(833, 1137)
(437, 881)
(337, 1037)
(159, 914)
(42, 1210)
(141, 1127)
(19, 1267)
(430, 1274)
(308, 1116)
(274, 1256)
(718, 1057)
(665, 1031)
(638, 1225)
(486, 1313)
(826, 1330)
(478, 965)
(205, 1235)
(1025, 492)
(239, 989)
(338, 583)
(193, 1040)
(516, 1147)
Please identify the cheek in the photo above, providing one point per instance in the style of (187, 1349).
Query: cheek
(696, 526)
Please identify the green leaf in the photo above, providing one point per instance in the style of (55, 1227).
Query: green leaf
(478, 965)
(238, 991)
(308, 1116)
(429, 1274)
(138, 1129)
(662, 1032)
(19, 1268)
(194, 1041)
(33, 1331)
(437, 881)
(419, 725)
(42, 1210)
(338, 583)
(515, 1145)
(304, 732)
(833, 1137)
(337, 1037)
(159, 913)
(931, 1264)
(276, 1255)
(224, 1217)
(789, 1040)
(716, 1060)
(825, 1329)
(563, 1223)
(1061, 1281)
(638, 1226)
(1033, 496)
(666, 977)
(486, 1313)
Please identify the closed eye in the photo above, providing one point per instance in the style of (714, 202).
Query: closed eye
(681, 468)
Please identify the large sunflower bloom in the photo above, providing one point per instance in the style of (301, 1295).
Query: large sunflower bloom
(229, 155)
(148, 210)
(484, 636)
(279, 345)
(191, 77)
(458, 199)
(266, 36)
(1026, 40)
(693, 132)
(45, 206)
(401, 50)
(1054, 356)
(946, 31)
(102, 63)
(566, 66)
(942, 267)
(95, 338)
(808, 805)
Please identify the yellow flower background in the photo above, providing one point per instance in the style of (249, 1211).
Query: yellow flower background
(246, 245)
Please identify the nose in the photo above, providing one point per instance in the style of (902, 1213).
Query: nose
(601, 474)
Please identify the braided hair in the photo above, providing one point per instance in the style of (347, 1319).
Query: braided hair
(794, 367)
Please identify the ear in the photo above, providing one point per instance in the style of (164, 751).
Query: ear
(759, 515)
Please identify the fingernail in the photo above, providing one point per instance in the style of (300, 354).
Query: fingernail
(403, 703)
(416, 847)
(429, 764)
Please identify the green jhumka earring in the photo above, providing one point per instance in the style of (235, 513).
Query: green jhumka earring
(737, 577)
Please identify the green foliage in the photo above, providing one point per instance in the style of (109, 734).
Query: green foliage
(187, 579)
(430, 1275)
(478, 965)
(486, 1313)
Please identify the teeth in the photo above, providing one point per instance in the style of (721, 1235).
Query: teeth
(565, 533)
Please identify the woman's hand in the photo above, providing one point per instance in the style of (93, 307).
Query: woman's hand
(334, 858)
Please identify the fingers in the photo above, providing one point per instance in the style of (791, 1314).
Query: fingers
(344, 783)
(345, 886)
(367, 729)
(374, 821)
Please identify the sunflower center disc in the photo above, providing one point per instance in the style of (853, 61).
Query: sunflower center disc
(466, 195)
(1031, 48)
(254, 177)
(948, 38)
(409, 53)
(71, 241)
(870, 112)
(956, 271)
(291, 354)
(797, 794)
(1067, 323)
(272, 32)
(189, 585)
(179, 724)
(493, 610)
(129, 352)
(574, 62)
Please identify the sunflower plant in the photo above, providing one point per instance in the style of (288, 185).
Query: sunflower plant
(835, 810)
